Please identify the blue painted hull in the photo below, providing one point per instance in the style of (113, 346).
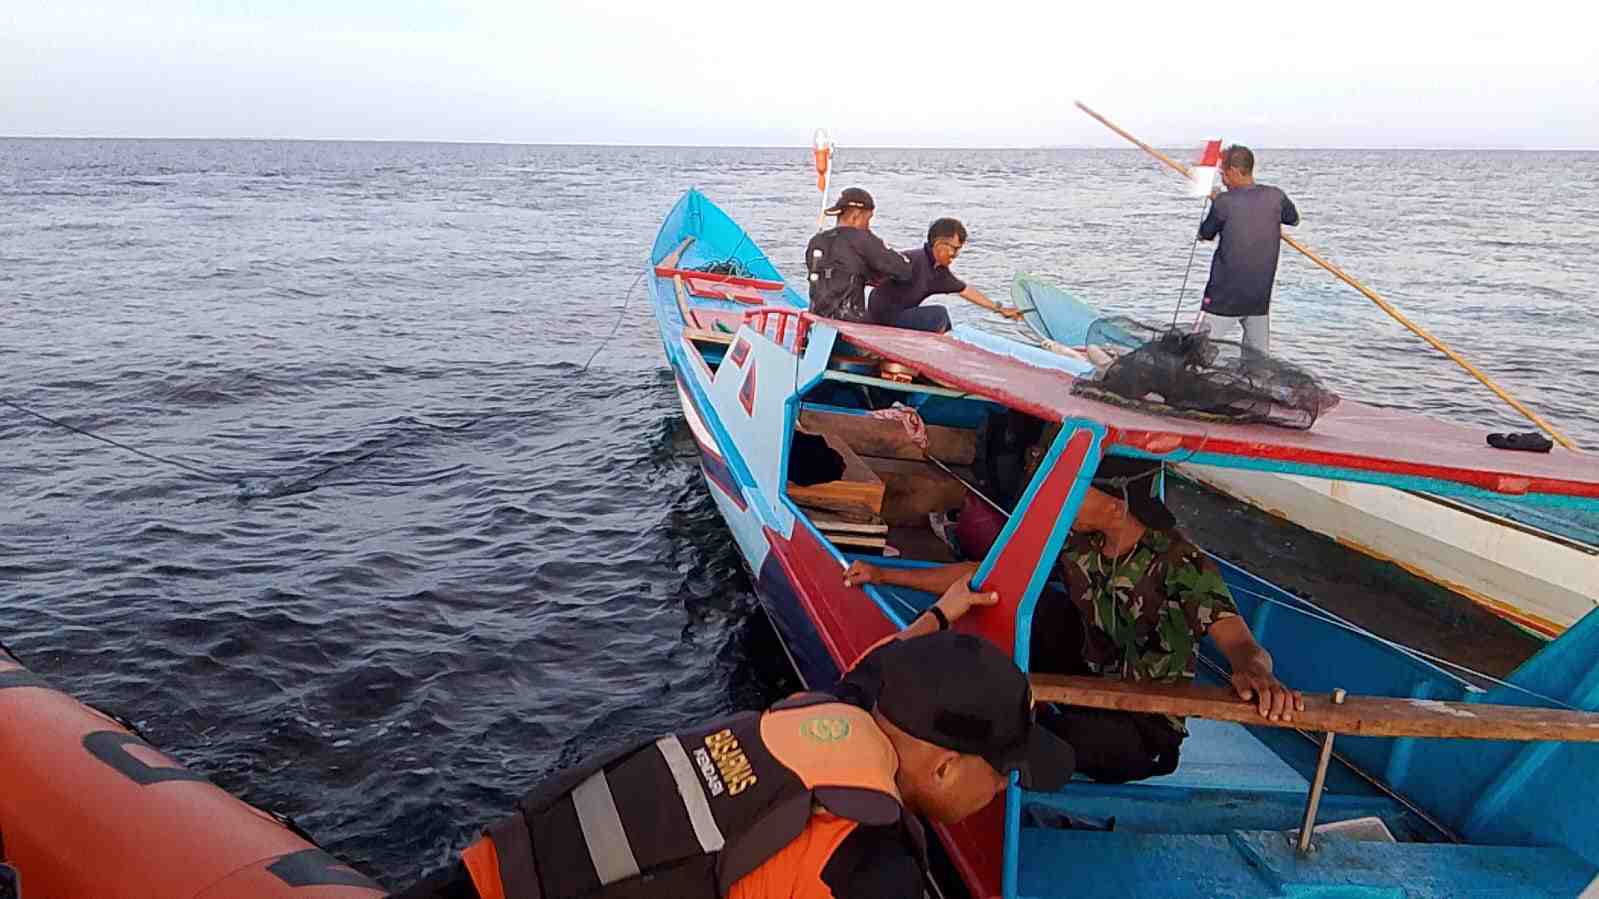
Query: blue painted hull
(1215, 827)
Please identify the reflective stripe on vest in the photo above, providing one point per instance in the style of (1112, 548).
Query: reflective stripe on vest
(688, 789)
(602, 830)
(746, 788)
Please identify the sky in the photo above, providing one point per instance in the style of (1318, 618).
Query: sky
(983, 73)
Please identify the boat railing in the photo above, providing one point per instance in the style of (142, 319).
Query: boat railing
(774, 322)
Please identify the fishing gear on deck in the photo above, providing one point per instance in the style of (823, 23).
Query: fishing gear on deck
(1189, 374)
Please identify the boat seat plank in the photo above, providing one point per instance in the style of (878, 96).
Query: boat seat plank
(880, 437)
(841, 526)
(703, 336)
(1366, 716)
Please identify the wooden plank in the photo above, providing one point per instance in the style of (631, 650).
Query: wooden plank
(877, 437)
(914, 489)
(859, 491)
(861, 540)
(831, 525)
(1366, 716)
(705, 336)
(682, 303)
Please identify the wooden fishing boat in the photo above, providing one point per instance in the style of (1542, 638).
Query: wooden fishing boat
(88, 808)
(1533, 565)
(1436, 764)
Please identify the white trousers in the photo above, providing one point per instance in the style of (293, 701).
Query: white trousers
(1256, 328)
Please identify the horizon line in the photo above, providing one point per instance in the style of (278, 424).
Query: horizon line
(667, 146)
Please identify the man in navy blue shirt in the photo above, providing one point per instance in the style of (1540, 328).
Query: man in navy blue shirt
(899, 303)
(1247, 219)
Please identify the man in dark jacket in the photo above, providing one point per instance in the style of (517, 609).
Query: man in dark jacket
(842, 260)
(1248, 219)
(899, 304)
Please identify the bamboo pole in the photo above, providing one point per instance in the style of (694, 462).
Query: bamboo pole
(1382, 304)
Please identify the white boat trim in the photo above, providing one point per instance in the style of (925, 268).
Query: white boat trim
(1540, 581)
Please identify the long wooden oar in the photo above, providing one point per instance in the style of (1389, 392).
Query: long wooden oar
(1383, 304)
(1366, 716)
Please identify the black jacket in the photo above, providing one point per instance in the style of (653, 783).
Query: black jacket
(840, 262)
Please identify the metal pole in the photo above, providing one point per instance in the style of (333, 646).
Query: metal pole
(1318, 783)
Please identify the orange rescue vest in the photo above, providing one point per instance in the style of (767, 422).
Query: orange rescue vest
(692, 814)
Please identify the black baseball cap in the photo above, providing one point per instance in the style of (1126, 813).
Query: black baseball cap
(1134, 480)
(960, 692)
(851, 197)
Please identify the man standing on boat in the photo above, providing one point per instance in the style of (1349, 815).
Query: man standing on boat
(816, 797)
(1248, 219)
(842, 260)
(1139, 598)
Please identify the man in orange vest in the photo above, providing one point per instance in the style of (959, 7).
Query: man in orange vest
(816, 798)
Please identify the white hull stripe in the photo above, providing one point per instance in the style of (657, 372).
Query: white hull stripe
(688, 787)
(602, 830)
(702, 434)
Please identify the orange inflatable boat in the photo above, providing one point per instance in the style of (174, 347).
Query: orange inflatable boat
(88, 810)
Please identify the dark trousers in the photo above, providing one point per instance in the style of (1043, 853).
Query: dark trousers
(1115, 747)
(924, 318)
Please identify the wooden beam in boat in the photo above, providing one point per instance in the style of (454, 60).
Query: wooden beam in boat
(682, 303)
(670, 262)
(878, 437)
(1365, 716)
(850, 377)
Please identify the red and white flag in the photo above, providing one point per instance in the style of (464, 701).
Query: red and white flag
(1202, 175)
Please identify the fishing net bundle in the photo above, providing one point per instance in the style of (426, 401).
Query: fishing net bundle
(1176, 371)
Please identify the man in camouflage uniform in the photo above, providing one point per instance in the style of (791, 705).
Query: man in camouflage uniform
(1139, 597)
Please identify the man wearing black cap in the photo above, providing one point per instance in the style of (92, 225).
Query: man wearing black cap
(842, 260)
(817, 796)
(1138, 598)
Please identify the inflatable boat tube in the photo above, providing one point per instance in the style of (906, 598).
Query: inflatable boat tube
(89, 809)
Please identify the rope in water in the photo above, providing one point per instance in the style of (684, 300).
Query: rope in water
(278, 484)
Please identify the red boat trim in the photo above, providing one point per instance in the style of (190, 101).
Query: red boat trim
(1352, 436)
(665, 272)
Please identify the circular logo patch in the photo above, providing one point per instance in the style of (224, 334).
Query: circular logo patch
(825, 730)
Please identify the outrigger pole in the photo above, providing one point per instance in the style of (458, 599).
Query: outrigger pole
(1383, 304)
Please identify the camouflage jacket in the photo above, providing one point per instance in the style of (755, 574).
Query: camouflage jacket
(1147, 610)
